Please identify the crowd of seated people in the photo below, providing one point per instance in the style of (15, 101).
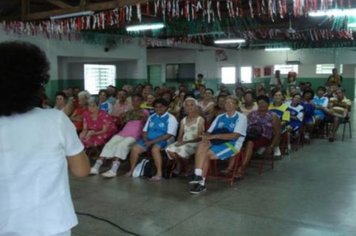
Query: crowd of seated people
(195, 126)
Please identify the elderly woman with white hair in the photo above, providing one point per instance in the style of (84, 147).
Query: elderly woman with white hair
(191, 128)
(77, 115)
(98, 126)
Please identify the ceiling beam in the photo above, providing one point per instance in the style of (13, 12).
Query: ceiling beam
(83, 3)
(25, 8)
(60, 4)
(84, 6)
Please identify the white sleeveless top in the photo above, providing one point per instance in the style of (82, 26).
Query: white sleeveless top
(191, 130)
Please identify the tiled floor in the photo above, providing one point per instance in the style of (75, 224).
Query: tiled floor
(311, 192)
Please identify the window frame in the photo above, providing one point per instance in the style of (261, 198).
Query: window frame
(95, 86)
(251, 75)
(284, 71)
(222, 75)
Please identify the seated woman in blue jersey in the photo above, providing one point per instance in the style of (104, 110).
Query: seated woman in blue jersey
(222, 141)
(321, 104)
(309, 108)
(104, 103)
(159, 131)
(296, 111)
(279, 108)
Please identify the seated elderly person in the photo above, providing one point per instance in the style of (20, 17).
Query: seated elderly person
(249, 103)
(190, 131)
(279, 108)
(263, 132)
(177, 105)
(121, 106)
(104, 103)
(159, 130)
(222, 141)
(309, 108)
(296, 111)
(321, 104)
(339, 107)
(148, 104)
(77, 116)
(219, 108)
(207, 103)
(62, 103)
(321, 109)
(120, 144)
(98, 126)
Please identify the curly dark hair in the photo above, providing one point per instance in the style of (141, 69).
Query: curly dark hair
(23, 73)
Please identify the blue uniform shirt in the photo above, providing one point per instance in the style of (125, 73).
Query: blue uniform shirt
(157, 126)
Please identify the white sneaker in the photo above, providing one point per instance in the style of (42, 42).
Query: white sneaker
(109, 174)
(94, 171)
(306, 136)
(261, 150)
(277, 151)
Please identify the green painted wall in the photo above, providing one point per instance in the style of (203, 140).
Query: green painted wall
(154, 73)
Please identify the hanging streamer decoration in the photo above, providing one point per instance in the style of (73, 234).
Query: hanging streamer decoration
(206, 14)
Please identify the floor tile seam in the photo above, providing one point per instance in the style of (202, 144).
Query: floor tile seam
(301, 222)
(194, 214)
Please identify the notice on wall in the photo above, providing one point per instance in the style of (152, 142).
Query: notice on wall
(267, 71)
(256, 72)
(220, 55)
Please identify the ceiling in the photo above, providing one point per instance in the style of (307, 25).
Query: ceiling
(262, 23)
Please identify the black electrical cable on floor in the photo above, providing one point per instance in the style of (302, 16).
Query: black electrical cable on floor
(107, 221)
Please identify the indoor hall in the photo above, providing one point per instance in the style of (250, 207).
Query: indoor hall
(310, 192)
(90, 48)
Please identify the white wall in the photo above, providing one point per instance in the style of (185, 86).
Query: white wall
(207, 65)
(79, 50)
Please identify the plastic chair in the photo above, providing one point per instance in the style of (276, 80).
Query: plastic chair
(261, 161)
(346, 122)
(215, 170)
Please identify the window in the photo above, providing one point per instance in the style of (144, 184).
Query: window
(98, 77)
(327, 68)
(286, 68)
(228, 75)
(246, 74)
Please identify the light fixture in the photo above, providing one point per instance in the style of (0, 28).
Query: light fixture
(74, 14)
(229, 41)
(333, 12)
(153, 26)
(277, 49)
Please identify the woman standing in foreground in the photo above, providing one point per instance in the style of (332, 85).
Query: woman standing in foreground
(36, 148)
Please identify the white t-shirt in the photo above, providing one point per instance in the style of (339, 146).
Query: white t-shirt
(34, 187)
